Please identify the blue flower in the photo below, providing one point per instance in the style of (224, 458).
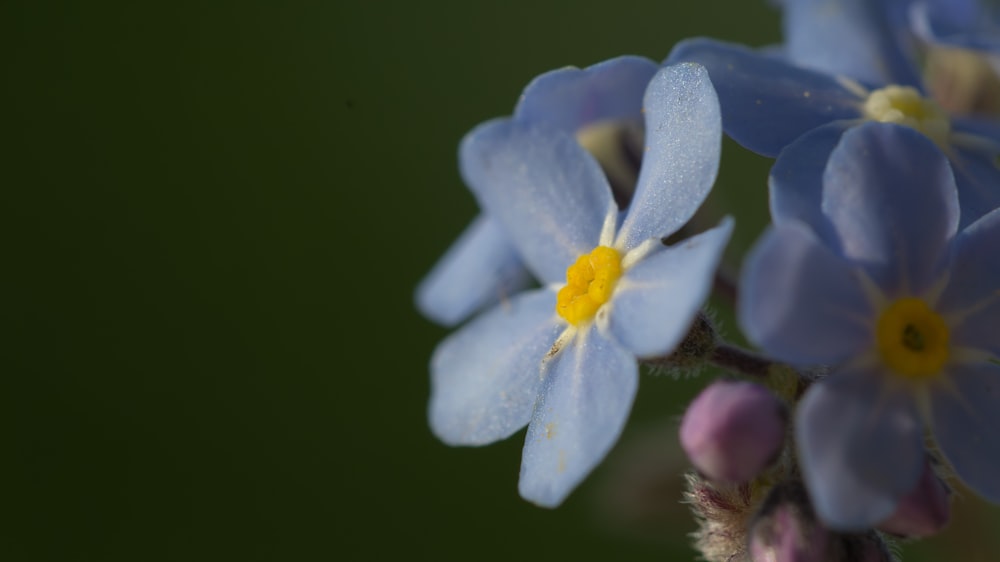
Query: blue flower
(563, 358)
(866, 40)
(968, 24)
(898, 41)
(482, 266)
(777, 109)
(903, 306)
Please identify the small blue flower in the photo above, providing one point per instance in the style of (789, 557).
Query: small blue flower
(563, 358)
(903, 306)
(777, 109)
(482, 266)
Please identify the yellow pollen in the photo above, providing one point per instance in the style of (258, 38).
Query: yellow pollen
(589, 283)
(905, 106)
(912, 339)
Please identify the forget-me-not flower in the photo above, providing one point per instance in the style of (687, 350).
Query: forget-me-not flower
(967, 24)
(963, 41)
(482, 266)
(563, 358)
(865, 40)
(903, 306)
(951, 43)
(778, 109)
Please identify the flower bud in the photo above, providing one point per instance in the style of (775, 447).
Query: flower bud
(922, 512)
(786, 531)
(788, 540)
(733, 430)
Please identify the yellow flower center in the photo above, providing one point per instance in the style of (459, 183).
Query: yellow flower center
(589, 283)
(905, 106)
(912, 339)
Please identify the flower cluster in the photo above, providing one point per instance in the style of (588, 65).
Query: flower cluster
(873, 298)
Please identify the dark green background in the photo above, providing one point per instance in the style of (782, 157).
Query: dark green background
(214, 216)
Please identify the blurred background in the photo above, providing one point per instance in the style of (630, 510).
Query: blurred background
(215, 215)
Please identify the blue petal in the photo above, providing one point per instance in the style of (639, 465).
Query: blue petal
(657, 299)
(849, 38)
(544, 189)
(586, 399)
(973, 291)
(767, 102)
(485, 377)
(978, 180)
(966, 417)
(570, 98)
(860, 447)
(683, 142)
(796, 181)
(479, 269)
(891, 197)
(801, 302)
(970, 24)
(953, 14)
(977, 126)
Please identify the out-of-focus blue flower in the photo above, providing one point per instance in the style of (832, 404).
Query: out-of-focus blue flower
(866, 40)
(960, 41)
(968, 24)
(563, 358)
(898, 41)
(904, 306)
(482, 266)
(778, 109)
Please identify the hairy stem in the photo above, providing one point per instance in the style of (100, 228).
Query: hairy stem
(742, 361)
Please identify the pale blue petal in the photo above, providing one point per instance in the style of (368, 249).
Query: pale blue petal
(767, 102)
(544, 189)
(860, 447)
(796, 181)
(848, 38)
(585, 402)
(974, 286)
(480, 269)
(570, 98)
(657, 299)
(890, 195)
(485, 377)
(966, 410)
(800, 302)
(978, 178)
(683, 142)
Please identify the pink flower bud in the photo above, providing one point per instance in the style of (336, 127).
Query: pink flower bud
(733, 430)
(922, 512)
(785, 529)
(787, 536)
